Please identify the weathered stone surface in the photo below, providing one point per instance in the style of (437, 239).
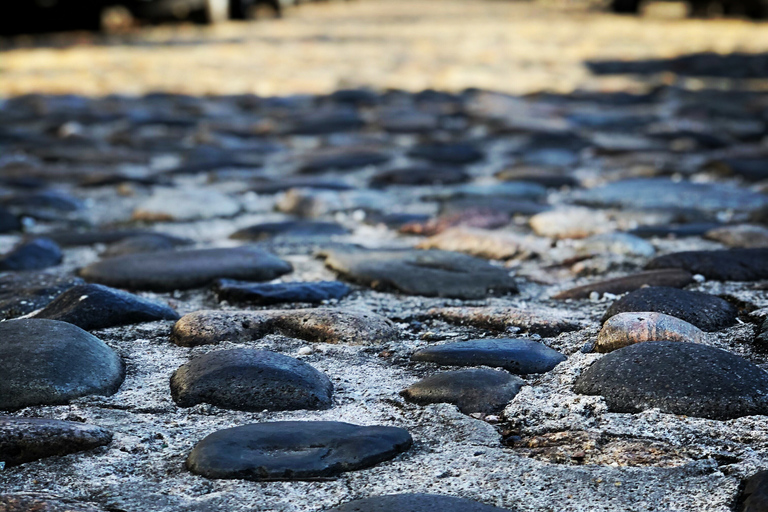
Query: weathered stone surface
(94, 306)
(291, 228)
(740, 236)
(677, 378)
(42, 503)
(498, 245)
(322, 325)
(726, 265)
(672, 278)
(295, 450)
(430, 273)
(484, 391)
(188, 204)
(754, 496)
(35, 254)
(24, 292)
(626, 329)
(518, 356)
(251, 380)
(172, 270)
(705, 311)
(415, 503)
(265, 294)
(27, 439)
(570, 223)
(46, 362)
(541, 320)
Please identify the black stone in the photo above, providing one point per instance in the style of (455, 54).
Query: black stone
(419, 175)
(290, 228)
(295, 450)
(27, 439)
(705, 311)
(674, 230)
(723, 265)
(35, 254)
(673, 278)
(494, 205)
(430, 273)
(677, 378)
(43, 200)
(343, 161)
(46, 362)
(24, 292)
(275, 186)
(449, 153)
(178, 270)
(9, 222)
(484, 391)
(323, 123)
(415, 503)
(264, 294)
(754, 496)
(251, 380)
(80, 238)
(153, 242)
(94, 306)
(518, 356)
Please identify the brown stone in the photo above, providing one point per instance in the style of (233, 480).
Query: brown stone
(543, 321)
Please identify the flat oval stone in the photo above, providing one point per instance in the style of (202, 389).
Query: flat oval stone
(179, 270)
(615, 243)
(35, 254)
(673, 278)
(42, 503)
(80, 238)
(153, 242)
(415, 503)
(295, 450)
(674, 230)
(419, 175)
(321, 325)
(343, 160)
(754, 496)
(46, 362)
(570, 223)
(518, 356)
(9, 222)
(453, 153)
(725, 265)
(265, 294)
(484, 391)
(190, 204)
(626, 329)
(677, 378)
(24, 292)
(94, 306)
(251, 380)
(291, 228)
(707, 312)
(27, 439)
(431, 273)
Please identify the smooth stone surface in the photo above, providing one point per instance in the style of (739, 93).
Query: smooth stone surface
(178, 270)
(280, 185)
(754, 495)
(419, 175)
(570, 223)
(9, 222)
(615, 243)
(94, 306)
(450, 153)
(484, 391)
(35, 254)
(740, 236)
(505, 190)
(325, 122)
(518, 356)
(31, 203)
(291, 228)
(430, 273)
(725, 265)
(415, 503)
(627, 329)
(673, 278)
(707, 312)
(321, 325)
(80, 238)
(265, 294)
(46, 362)
(189, 204)
(42, 503)
(644, 193)
(674, 230)
(251, 380)
(343, 160)
(27, 439)
(24, 292)
(144, 243)
(544, 176)
(295, 450)
(677, 378)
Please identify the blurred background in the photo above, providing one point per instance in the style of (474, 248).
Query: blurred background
(284, 47)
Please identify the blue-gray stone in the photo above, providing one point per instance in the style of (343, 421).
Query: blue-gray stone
(274, 293)
(518, 356)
